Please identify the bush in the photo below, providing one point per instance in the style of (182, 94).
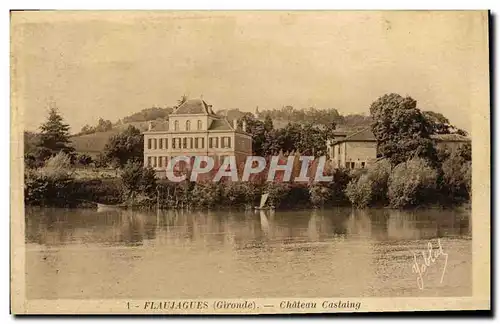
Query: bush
(319, 194)
(44, 190)
(341, 178)
(205, 194)
(238, 193)
(359, 191)
(456, 182)
(57, 167)
(370, 189)
(412, 183)
(138, 181)
(277, 191)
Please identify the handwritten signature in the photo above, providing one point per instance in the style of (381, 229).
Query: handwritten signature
(428, 260)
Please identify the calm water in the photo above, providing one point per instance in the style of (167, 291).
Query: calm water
(325, 253)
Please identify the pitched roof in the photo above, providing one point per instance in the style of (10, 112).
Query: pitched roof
(157, 126)
(194, 106)
(450, 138)
(220, 124)
(364, 135)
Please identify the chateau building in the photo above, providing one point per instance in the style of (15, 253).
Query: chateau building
(193, 129)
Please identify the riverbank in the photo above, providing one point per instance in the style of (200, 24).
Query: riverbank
(86, 193)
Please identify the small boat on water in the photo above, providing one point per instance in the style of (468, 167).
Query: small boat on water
(104, 207)
(262, 205)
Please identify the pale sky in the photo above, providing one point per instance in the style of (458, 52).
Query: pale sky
(110, 65)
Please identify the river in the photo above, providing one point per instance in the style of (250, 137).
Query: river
(82, 254)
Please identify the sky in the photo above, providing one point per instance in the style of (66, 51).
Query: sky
(113, 64)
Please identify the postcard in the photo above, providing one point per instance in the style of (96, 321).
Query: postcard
(249, 162)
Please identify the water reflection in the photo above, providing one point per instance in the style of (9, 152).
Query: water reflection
(52, 227)
(199, 254)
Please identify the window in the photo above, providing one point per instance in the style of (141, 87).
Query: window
(149, 161)
(196, 143)
(216, 142)
(191, 142)
(149, 143)
(184, 142)
(154, 143)
(199, 124)
(174, 140)
(166, 143)
(202, 142)
(160, 160)
(210, 142)
(353, 165)
(363, 165)
(176, 125)
(338, 149)
(161, 144)
(155, 162)
(226, 142)
(188, 125)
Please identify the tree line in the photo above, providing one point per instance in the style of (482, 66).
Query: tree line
(412, 170)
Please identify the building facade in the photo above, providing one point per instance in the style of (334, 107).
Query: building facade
(359, 149)
(353, 151)
(193, 129)
(450, 142)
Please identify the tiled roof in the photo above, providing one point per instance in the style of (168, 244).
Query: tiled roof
(158, 125)
(364, 135)
(220, 124)
(194, 106)
(450, 138)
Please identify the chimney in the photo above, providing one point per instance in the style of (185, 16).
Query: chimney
(235, 124)
(244, 126)
(150, 126)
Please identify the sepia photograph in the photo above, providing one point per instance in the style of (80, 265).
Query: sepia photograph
(249, 162)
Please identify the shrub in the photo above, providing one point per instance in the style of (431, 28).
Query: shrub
(138, 181)
(319, 194)
(359, 191)
(341, 178)
(412, 183)
(456, 181)
(371, 187)
(277, 191)
(205, 194)
(238, 193)
(48, 190)
(57, 167)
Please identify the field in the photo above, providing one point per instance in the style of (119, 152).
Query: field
(93, 144)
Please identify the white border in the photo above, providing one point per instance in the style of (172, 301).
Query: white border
(258, 4)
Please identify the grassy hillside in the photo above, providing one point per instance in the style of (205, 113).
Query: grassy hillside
(93, 144)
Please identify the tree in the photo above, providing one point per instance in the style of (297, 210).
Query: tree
(402, 131)
(138, 180)
(456, 179)
(412, 183)
(54, 137)
(439, 124)
(370, 189)
(125, 146)
(103, 125)
(258, 130)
